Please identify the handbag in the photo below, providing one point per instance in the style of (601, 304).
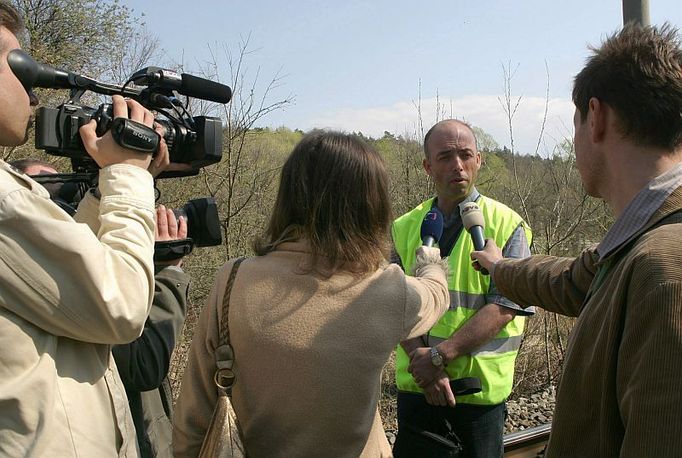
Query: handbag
(224, 438)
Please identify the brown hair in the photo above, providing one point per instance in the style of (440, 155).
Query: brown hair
(638, 73)
(333, 194)
(10, 19)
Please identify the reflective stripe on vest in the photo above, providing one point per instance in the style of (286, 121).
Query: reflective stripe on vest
(501, 345)
(493, 362)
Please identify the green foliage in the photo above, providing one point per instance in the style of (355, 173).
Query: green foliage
(484, 141)
(77, 35)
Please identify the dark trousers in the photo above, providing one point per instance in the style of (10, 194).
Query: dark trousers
(479, 428)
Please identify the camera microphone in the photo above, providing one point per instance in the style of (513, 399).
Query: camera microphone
(193, 86)
(432, 227)
(472, 218)
(185, 84)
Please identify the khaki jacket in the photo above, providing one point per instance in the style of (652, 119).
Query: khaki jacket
(309, 351)
(66, 295)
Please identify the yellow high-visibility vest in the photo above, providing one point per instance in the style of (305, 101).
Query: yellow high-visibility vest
(493, 363)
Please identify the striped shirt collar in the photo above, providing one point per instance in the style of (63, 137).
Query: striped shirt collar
(640, 210)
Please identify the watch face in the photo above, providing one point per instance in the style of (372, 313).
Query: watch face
(436, 358)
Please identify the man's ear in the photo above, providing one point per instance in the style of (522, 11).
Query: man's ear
(597, 114)
(427, 166)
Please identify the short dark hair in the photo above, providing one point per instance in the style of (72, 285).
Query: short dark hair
(10, 19)
(333, 194)
(24, 164)
(438, 125)
(638, 73)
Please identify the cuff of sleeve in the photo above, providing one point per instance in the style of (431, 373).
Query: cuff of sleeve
(128, 182)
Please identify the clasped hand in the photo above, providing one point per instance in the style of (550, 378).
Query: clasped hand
(433, 380)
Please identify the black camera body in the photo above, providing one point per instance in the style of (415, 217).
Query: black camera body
(203, 222)
(196, 141)
(56, 131)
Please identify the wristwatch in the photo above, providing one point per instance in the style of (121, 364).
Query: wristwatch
(436, 357)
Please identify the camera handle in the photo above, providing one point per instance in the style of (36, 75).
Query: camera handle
(170, 250)
(134, 135)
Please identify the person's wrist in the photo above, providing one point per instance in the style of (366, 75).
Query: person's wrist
(491, 271)
(172, 263)
(445, 352)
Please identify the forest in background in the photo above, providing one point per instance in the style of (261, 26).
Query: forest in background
(543, 186)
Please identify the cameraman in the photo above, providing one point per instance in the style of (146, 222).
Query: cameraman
(144, 363)
(66, 294)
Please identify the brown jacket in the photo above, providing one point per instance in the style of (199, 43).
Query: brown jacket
(66, 294)
(621, 389)
(309, 352)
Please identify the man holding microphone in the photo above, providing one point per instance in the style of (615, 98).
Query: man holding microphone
(621, 389)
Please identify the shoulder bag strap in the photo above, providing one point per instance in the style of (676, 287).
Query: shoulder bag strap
(224, 355)
(224, 317)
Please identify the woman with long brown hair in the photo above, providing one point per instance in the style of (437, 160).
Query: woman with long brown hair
(315, 315)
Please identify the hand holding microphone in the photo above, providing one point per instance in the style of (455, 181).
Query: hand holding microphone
(485, 254)
(431, 231)
(432, 227)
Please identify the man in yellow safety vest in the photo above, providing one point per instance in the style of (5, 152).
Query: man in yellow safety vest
(479, 336)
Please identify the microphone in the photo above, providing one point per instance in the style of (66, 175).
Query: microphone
(193, 86)
(185, 84)
(472, 218)
(432, 227)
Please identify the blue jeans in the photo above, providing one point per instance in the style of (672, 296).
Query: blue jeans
(479, 428)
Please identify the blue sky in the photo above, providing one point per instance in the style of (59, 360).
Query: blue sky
(356, 65)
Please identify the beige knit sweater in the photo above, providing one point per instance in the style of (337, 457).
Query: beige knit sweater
(309, 352)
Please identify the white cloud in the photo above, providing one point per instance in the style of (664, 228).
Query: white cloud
(484, 111)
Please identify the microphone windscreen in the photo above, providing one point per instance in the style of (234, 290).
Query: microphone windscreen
(432, 225)
(472, 216)
(193, 86)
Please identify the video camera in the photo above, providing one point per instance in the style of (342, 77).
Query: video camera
(191, 140)
(203, 222)
(196, 141)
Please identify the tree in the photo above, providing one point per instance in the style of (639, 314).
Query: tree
(484, 141)
(77, 35)
(243, 183)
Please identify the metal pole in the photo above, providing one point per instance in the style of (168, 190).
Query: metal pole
(636, 11)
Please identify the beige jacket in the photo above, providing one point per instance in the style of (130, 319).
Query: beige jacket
(66, 295)
(309, 352)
